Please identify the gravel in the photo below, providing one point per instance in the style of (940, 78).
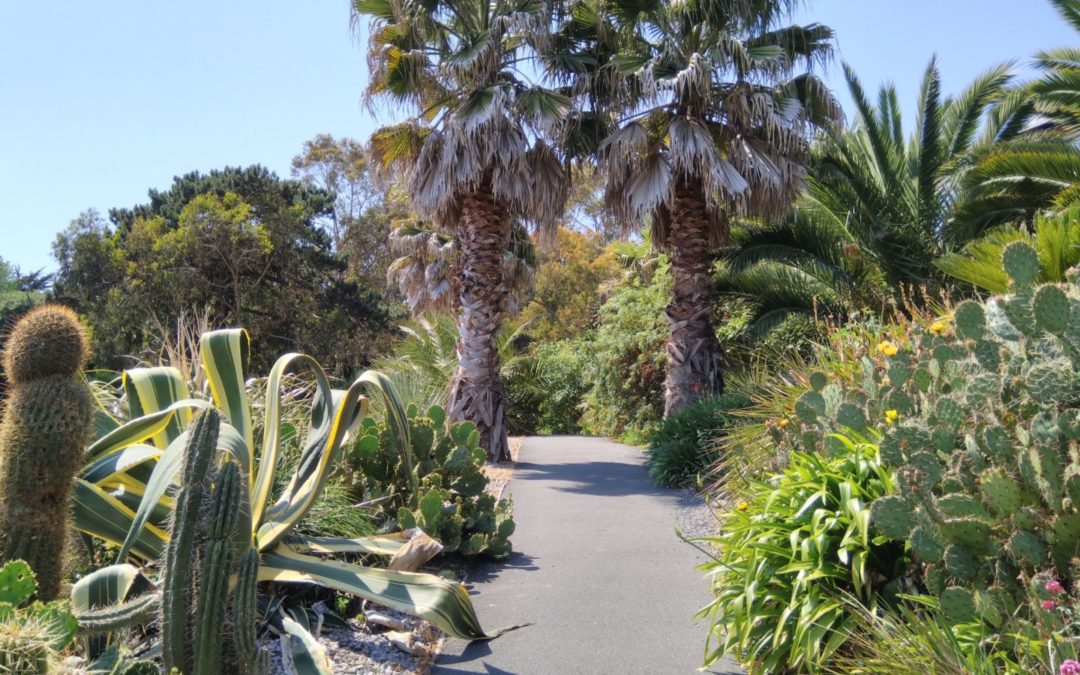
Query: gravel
(363, 651)
(693, 516)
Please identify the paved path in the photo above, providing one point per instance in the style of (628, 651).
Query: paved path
(597, 570)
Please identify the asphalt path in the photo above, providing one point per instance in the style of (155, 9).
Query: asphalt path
(597, 571)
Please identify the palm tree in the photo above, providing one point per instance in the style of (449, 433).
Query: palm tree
(1039, 169)
(879, 204)
(712, 122)
(474, 157)
(428, 270)
(1055, 237)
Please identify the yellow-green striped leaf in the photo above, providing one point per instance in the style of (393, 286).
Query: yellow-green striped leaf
(445, 604)
(140, 429)
(151, 390)
(307, 655)
(320, 453)
(100, 514)
(225, 358)
(381, 544)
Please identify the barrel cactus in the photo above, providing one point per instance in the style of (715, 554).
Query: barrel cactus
(201, 557)
(45, 427)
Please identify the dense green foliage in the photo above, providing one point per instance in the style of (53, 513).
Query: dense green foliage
(684, 446)
(628, 361)
(240, 243)
(436, 484)
(789, 552)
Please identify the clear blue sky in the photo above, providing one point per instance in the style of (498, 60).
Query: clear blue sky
(100, 101)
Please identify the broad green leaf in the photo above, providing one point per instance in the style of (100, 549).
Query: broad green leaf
(445, 604)
(225, 357)
(100, 514)
(151, 390)
(308, 656)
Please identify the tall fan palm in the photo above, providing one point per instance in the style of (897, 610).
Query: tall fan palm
(879, 202)
(712, 122)
(474, 156)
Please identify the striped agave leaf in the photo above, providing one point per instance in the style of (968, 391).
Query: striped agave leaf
(445, 604)
(333, 419)
(304, 652)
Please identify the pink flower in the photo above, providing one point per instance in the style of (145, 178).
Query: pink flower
(1050, 605)
(1053, 587)
(1070, 667)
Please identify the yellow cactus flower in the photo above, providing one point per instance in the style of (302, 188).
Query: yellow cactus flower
(891, 416)
(742, 506)
(782, 423)
(887, 348)
(938, 328)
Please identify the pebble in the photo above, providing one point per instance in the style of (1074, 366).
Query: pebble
(362, 651)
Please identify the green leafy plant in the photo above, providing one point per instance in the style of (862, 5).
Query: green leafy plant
(445, 495)
(145, 453)
(684, 445)
(979, 414)
(787, 554)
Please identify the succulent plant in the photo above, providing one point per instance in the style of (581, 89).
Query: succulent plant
(982, 427)
(200, 559)
(451, 502)
(45, 427)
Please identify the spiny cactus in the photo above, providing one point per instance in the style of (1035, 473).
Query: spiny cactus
(451, 503)
(25, 645)
(45, 427)
(980, 417)
(199, 563)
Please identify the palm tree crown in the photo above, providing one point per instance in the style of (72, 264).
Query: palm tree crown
(710, 120)
(475, 157)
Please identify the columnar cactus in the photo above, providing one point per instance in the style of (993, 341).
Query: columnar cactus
(45, 427)
(200, 560)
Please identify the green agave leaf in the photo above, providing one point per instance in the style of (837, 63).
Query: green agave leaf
(102, 515)
(308, 656)
(225, 355)
(445, 604)
(151, 390)
(108, 586)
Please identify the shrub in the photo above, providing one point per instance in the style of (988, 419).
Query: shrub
(629, 359)
(447, 496)
(684, 445)
(978, 414)
(564, 373)
(787, 554)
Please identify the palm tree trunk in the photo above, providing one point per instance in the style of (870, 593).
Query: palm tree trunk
(476, 392)
(694, 354)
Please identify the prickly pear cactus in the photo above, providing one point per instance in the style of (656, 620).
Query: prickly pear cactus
(46, 423)
(979, 415)
(451, 504)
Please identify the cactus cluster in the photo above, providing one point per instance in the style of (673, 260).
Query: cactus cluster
(205, 550)
(980, 417)
(31, 633)
(451, 502)
(45, 427)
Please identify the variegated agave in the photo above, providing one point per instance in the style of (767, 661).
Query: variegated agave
(123, 493)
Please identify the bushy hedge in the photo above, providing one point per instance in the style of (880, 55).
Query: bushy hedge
(684, 446)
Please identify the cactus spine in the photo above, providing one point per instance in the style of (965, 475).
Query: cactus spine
(117, 617)
(200, 560)
(45, 427)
